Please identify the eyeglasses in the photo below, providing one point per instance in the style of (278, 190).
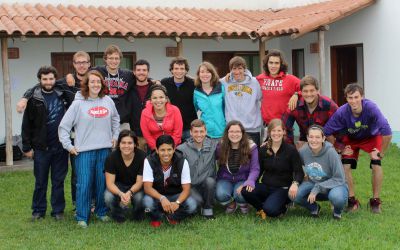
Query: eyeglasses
(113, 58)
(81, 63)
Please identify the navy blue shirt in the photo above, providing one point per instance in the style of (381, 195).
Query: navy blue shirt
(55, 112)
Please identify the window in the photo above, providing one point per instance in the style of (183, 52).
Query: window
(298, 63)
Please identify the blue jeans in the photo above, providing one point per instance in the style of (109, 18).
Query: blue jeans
(89, 173)
(337, 196)
(226, 192)
(117, 212)
(272, 200)
(55, 161)
(153, 206)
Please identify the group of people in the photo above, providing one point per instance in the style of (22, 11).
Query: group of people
(176, 146)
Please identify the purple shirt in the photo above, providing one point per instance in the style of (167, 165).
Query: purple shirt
(371, 122)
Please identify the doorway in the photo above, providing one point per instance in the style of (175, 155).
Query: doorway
(347, 66)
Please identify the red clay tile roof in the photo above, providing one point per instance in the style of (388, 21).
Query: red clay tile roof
(50, 20)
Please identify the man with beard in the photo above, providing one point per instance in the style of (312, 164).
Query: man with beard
(81, 64)
(138, 94)
(312, 108)
(180, 90)
(42, 117)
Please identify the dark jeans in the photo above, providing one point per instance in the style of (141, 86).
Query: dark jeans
(204, 194)
(55, 161)
(255, 136)
(272, 200)
(154, 207)
(117, 212)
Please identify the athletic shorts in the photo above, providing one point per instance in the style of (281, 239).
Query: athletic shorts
(366, 145)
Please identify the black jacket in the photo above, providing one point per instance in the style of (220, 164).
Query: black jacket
(135, 106)
(34, 133)
(173, 185)
(182, 97)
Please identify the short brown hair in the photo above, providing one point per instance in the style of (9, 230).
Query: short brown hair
(210, 68)
(237, 61)
(179, 60)
(197, 123)
(45, 70)
(111, 49)
(276, 53)
(85, 84)
(353, 87)
(309, 80)
(81, 54)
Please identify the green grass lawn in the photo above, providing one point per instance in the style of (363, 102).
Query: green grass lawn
(360, 230)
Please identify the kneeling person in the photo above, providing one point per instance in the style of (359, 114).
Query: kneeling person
(199, 150)
(124, 170)
(166, 178)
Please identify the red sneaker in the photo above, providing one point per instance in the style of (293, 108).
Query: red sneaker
(155, 223)
(352, 204)
(375, 205)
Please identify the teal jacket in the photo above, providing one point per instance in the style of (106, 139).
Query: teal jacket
(212, 108)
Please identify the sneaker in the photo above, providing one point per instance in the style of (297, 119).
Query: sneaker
(375, 205)
(262, 214)
(82, 224)
(171, 221)
(244, 208)
(231, 208)
(155, 223)
(103, 218)
(59, 216)
(315, 213)
(209, 217)
(37, 216)
(337, 216)
(352, 204)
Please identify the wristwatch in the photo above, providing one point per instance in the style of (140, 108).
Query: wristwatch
(178, 202)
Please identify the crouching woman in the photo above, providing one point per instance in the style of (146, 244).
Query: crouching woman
(326, 179)
(124, 171)
(166, 179)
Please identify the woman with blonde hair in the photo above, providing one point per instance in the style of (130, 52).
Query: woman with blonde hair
(281, 171)
(208, 98)
(238, 167)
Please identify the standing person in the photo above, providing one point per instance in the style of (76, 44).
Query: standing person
(312, 108)
(166, 178)
(44, 112)
(81, 64)
(238, 167)
(124, 177)
(325, 175)
(160, 118)
(180, 92)
(209, 99)
(138, 94)
(95, 120)
(277, 87)
(199, 151)
(242, 98)
(365, 128)
(282, 172)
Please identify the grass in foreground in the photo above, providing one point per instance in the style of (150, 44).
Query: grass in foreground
(360, 230)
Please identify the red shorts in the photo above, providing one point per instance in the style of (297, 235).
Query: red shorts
(366, 145)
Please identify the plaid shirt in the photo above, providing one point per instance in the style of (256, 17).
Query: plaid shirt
(324, 110)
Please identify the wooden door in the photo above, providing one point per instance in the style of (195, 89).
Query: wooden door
(63, 63)
(220, 60)
(343, 70)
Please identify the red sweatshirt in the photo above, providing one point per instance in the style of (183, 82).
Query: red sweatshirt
(172, 124)
(276, 94)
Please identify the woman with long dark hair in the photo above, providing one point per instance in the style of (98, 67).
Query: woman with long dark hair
(238, 167)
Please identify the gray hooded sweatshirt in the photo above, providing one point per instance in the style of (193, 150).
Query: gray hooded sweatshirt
(202, 163)
(242, 101)
(324, 169)
(95, 121)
